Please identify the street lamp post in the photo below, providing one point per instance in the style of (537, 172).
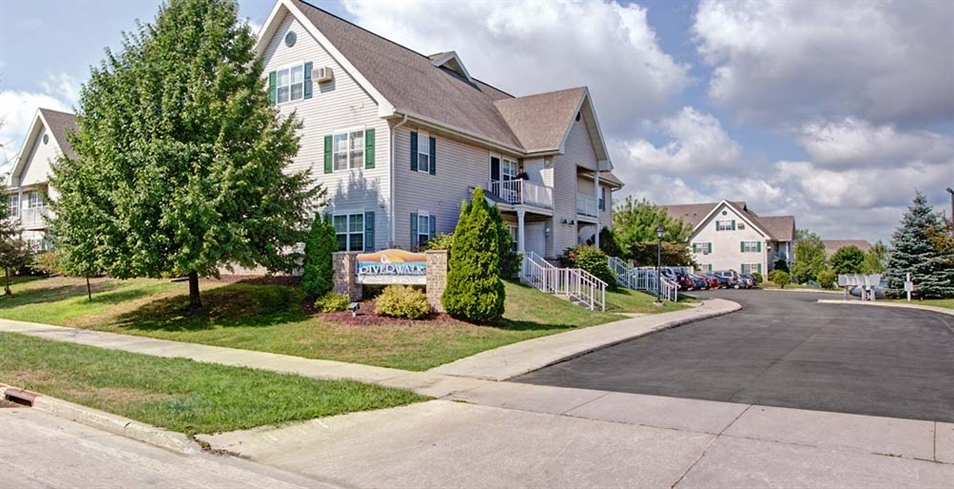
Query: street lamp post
(659, 234)
(951, 191)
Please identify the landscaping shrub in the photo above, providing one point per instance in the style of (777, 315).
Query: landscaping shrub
(590, 259)
(510, 260)
(439, 242)
(332, 302)
(47, 263)
(827, 278)
(319, 274)
(758, 277)
(474, 290)
(401, 301)
(780, 278)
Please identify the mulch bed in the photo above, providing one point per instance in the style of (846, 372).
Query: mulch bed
(367, 317)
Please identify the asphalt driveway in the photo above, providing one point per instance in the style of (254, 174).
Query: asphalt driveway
(785, 349)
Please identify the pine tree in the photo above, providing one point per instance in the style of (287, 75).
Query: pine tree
(180, 157)
(319, 274)
(913, 252)
(474, 290)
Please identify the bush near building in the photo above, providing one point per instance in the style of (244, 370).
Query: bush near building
(319, 273)
(592, 260)
(401, 301)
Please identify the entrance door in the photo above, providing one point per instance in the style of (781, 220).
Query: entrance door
(536, 239)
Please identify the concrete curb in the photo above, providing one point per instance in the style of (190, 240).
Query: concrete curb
(111, 423)
(527, 356)
(805, 291)
(941, 310)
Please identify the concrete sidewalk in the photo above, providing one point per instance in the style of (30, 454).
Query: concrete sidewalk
(902, 305)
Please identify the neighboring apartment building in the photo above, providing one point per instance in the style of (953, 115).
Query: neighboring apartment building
(400, 139)
(28, 183)
(833, 245)
(729, 236)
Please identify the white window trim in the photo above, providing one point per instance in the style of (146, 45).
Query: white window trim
(423, 149)
(348, 213)
(277, 86)
(719, 224)
(427, 229)
(753, 268)
(13, 205)
(754, 246)
(334, 148)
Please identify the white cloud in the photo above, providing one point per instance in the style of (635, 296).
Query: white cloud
(854, 143)
(532, 47)
(62, 85)
(786, 60)
(698, 143)
(17, 110)
(661, 189)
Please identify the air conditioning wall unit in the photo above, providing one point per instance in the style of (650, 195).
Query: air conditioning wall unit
(741, 226)
(322, 74)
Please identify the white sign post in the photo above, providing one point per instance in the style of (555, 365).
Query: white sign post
(908, 286)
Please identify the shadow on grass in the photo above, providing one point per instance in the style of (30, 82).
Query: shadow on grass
(236, 305)
(58, 293)
(515, 325)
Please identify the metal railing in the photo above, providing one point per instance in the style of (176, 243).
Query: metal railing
(575, 283)
(587, 206)
(522, 192)
(644, 279)
(34, 216)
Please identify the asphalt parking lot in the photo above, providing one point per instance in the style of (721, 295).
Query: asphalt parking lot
(784, 349)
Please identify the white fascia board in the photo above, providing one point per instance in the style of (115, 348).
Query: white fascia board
(449, 56)
(385, 108)
(726, 204)
(604, 164)
(460, 133)
(28, 143)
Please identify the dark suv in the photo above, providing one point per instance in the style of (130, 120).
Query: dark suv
(731, 278)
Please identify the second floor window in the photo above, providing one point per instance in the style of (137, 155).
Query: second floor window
(702, 247)
(14, 207)
(508, 169)
(751, 246)
(725, 225)
(290, 83)
(34, 200)
(423, 152)
(349, 149)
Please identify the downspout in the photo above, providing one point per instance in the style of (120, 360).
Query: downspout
(596, 193)
(392, 171)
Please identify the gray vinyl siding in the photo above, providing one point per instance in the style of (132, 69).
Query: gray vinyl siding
(340, 104)
(459, 167)
(579, 153)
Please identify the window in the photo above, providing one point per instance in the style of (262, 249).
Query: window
(349, 149)
(290, 83)
(702, 248)
(423, 226)
(751, 247)
(725, 225)
(508, 169)
(423, 152)
(706, 267)
(602, 203)
(34, 200)
(349, 229)
(751, 268)
(14, 207)
(514, 234)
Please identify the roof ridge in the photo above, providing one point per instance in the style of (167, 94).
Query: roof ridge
(45, 109)
(551, 92)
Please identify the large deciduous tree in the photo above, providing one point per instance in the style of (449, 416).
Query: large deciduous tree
(875, 258)
(634, 227)
(180, 159)
(913, 251)
(847, 259)
(809, 256)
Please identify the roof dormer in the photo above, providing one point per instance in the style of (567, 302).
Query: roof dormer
(452, 62)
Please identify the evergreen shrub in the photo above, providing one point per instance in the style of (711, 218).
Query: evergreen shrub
(319, 273)
(332, 302)
(592, 260)
(401, 301)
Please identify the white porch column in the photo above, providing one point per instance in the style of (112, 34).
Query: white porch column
(521, 213)
(596, 192)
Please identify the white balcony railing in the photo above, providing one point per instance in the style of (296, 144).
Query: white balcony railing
(522, 192)
(34, 216)
(575, 283)
(586, 206)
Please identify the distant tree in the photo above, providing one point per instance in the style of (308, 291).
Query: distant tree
(941, 237)
(827, 278)
(912, 251)
(634, 227)
(608, 243)
(847, 259)
(809, 256)
(181, 156)
(318, 275)
(780, 278)
(781, 264)
(875, 259)
(14, 252)
(474, 290)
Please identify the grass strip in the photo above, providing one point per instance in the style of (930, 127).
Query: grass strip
(179, 394)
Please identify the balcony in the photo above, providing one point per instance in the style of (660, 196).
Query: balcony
(587, 206)
(33, 217)
(522, 192)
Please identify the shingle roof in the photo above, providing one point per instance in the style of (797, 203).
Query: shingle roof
(832, 245)
(60, 124)
(608, 177)
(779, 228)
(540, 121)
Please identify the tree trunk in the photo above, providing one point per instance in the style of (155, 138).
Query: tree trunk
(6, 290)
(194, 301)
(89, 291)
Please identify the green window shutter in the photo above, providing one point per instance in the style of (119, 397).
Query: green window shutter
(369, 149)
(413, 229)
(433, 152)
(742, 246)
(709, 246)
(328, 153)
(308, 66)
(368, 231)
(733, 224)
(413, 151)
(759, 268)
(272, 90)
(432, 221)
(758, 246)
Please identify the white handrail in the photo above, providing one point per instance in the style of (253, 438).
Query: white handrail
(521, 191)
(575, 283)
(644, 279)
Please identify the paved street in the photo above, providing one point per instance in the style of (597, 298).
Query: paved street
(38, 450)
(785, 349)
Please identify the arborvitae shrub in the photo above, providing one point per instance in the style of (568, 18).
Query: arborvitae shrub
(319, 274)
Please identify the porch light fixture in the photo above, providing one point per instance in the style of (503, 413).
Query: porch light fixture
(659, 234)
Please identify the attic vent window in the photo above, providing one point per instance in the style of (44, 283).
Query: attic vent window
(46, 138)
(577, 117)
(290, 38)
(724, 213)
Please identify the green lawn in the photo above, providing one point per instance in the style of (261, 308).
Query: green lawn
(178, 394)
(945, 303)
(270, 318)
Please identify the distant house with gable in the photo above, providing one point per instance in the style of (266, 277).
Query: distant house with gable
(833, 245)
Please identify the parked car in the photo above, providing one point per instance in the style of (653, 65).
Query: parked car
(748, 280)
(699, 282)
(731, 278)
(679, 276)
(878, 290)
(716, 281)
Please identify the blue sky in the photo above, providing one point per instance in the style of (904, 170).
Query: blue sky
(831, 111)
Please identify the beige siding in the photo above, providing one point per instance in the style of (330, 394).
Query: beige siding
(37, 169)
(606, 216)
(726, 245)
(579, 153)
(459, 167)
(340, 104)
